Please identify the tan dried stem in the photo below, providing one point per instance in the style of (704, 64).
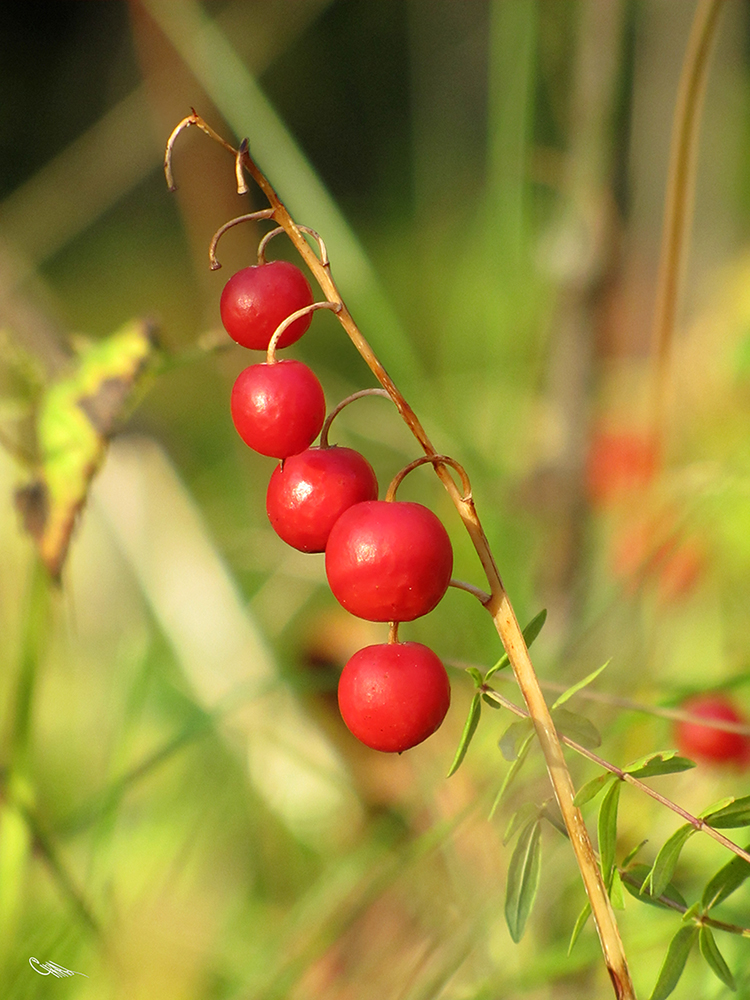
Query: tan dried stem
(264, 213)
(679, 198)
(498, 605)
(432, 460)
(345, 402)
(322, 249)
(298, 314)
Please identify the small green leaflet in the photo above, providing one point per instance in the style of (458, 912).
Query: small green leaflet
(583, 917)
(513, 770)
(577, 728)
(674, 964)
(523, 879)
(592, 788)
(724, 882)
(729, 813)
(530, 633)
(664, 762)
(633, 880)
(470, 727)
(608, 830)
(76, 418)
(710, 951)
(519, 818)
(514, 737)
(579, 686)
(666, 861)
(615, 892)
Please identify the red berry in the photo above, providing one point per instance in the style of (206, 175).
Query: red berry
(257, 299)
(714, 746)
(278, 409)
(388, 561)
(393, 696)
(308, 493)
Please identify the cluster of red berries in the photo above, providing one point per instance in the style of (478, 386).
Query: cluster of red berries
(386, 560)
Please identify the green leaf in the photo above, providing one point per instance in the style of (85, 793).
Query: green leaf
(490, 702)
(729, 814)
(520, 818)
(470, 727)
(615, 892)
(633, 880)
(530, 633)
(476, 675)
(714, 957)
(514, 737)
(666, 860)
(674, 964)
(592, 788)
(583, 916)
(523, 879)
(608, 830)
(77, 416)
(631, 854)
(665, 762)
(576, 727)
(579, 686)
(513, 770)
(724, 882)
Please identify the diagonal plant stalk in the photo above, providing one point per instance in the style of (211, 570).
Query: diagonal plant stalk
(497, 604)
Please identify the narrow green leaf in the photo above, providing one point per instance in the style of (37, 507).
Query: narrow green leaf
(633, 880)
(491, 702)
(520, 818)
(665, 762)
(583, 916)
(730, 814)
(615, 892)
(476, 675)
(608, 830)
(579, 686)
(724, 882)
(710, 951)
(576, 727)
(513, 770)
(470, 727)
(666, 860)
(631, 854)
(523, 879)
(674, 964)
(592, 788)
(530, 633)
(513, 738)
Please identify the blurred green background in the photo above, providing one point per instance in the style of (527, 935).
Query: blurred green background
(182, 812)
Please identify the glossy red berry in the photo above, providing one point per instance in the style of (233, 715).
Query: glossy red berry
(309, 492)
(278, 409)
(257, 299)
(713, 746)
(393, 696)
(388, 561)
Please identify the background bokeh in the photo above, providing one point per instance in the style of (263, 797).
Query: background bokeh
(182, 813)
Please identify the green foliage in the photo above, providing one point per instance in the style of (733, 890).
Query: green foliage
(674, 964)
(523, 878)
